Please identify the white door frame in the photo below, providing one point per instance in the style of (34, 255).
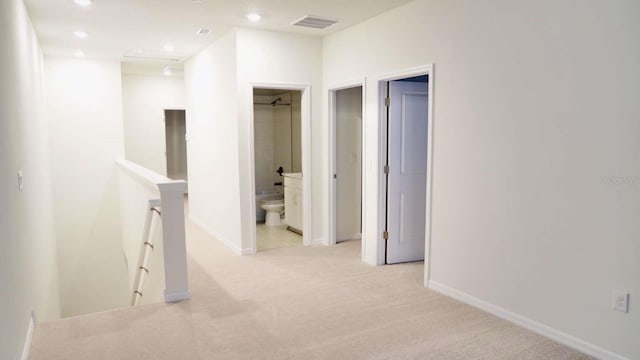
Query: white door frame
(305, 138)
(379, 81)
(332, 139)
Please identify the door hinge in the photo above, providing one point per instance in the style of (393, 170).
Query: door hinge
(385, 235)
(387, 102)
(386, 169)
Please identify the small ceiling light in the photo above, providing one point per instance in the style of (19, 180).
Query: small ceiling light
(167, 72)
(83, 2)
(168, 47)
(79, 54)
(80, 34)
(254, 17)
(204, 31)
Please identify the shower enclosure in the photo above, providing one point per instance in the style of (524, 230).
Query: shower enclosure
(277, 141)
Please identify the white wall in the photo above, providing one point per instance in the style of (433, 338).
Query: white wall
(219, 94)
(266, 57)
(144, 99)
(85, 133)
(212, 146)
(535, 104)
(28, 262)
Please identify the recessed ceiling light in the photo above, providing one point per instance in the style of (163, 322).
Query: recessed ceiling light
(80, 34)
(83, 2)
(167, 71)
(254, 17)
(168, 47)
(204, 31)
(79, 54)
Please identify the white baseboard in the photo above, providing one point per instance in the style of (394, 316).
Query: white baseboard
(539, 328)
(176, 296)
(369, 260)
(247, 251)
(214, 234)
(318, 242)
(349, 237)
(26, 349)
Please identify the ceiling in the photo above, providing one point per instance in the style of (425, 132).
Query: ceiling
(136, 31)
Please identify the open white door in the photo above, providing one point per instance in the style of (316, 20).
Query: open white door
(407, 160)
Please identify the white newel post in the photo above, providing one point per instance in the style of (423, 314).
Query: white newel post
(175, 251)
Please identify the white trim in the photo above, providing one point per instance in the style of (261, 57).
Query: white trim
(176, 296)
(377, 80)
(318, 242)
(364, 160)
(332, 138)
(331, 183)
(369, 260)
(349, 237)
(307, 227)
(247, 251)
(382, 134)
(147, 177)
(405, 73)
(429, 209)
(26, 349)
(214, 234)
(525, 322)
(305, 137)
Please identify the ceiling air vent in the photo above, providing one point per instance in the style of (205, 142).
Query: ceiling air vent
(315, 22)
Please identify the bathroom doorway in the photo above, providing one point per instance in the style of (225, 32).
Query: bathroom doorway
(277, 124)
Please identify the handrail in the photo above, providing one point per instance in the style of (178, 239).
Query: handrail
(176, 286)
(144, 255)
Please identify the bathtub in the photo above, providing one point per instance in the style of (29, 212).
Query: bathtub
(260, 214)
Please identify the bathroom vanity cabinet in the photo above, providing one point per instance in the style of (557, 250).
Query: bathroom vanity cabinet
(293, 201)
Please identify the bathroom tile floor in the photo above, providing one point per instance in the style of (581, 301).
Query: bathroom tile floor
(273, 237)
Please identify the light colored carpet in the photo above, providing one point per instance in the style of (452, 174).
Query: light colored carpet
(295, 303)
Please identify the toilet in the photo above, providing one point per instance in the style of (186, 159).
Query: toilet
(273, 208)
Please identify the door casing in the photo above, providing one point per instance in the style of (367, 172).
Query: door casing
(305, 89)
(406, 181)
(379, 81)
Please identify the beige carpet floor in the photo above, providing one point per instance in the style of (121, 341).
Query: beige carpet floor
(295, 303)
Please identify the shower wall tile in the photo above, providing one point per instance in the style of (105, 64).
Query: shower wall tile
(273, 140)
